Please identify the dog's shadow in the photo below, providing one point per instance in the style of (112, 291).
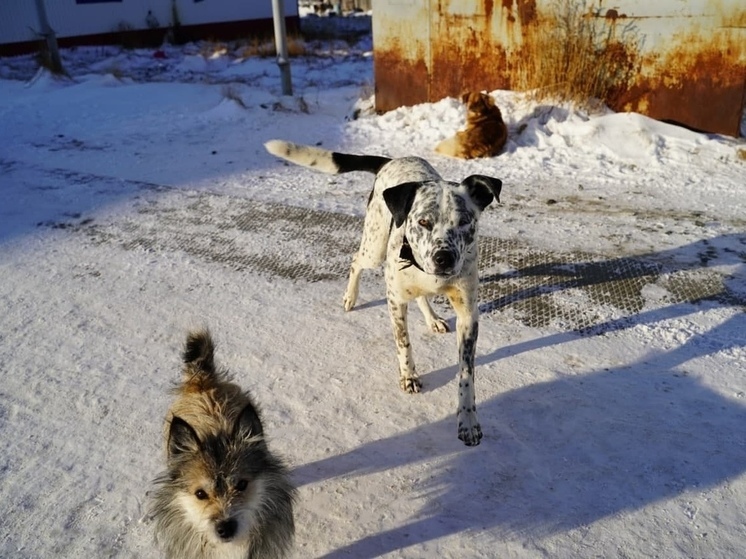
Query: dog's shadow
(369, 305)
(562, 454)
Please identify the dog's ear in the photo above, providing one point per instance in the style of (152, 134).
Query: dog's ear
(483, 189)
(399, 200)
(248, 423)
(181, 437)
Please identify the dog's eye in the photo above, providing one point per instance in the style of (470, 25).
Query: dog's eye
(242, 485)
(426, 224)
(201, 494)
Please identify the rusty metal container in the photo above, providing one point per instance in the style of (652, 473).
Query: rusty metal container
(689, 55)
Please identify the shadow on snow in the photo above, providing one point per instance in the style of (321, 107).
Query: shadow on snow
(563, 454)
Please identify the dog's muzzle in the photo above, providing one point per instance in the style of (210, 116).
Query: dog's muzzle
(444, 262)
(226, 529)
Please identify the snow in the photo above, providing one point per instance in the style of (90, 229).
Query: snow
(123, 206)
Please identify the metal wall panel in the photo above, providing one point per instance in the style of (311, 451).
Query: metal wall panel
(691, 54)
(402, 63)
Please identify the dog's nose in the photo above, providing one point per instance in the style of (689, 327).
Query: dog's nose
(443, 260)
(226, 529)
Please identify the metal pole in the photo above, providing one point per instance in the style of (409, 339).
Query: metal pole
(48, 33)
(281, 44)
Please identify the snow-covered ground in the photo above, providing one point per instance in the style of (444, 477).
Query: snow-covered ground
(137, 201)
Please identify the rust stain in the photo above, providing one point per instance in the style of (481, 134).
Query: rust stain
(489, 5)
(700, 83)
(525, 10)
(508, 9)
(697, 79)
(401, 59)
(614, 15)
(399, 81)
(468, 55)
(464, 57)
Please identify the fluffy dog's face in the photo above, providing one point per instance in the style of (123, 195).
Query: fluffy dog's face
(479, 105)
(218, 480)
(440, 219)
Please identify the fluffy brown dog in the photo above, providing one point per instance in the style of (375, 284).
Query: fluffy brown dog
(485, 133)
(223, 495)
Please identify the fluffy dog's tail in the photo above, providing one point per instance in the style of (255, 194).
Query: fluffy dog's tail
(199, 361)
(324, 160)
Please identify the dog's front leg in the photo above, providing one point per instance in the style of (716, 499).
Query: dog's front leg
(353, 286)
(372, 251)
(467, 331)
(408, 379)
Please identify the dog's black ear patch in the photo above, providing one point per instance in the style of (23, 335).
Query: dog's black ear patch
(399, 200)
(200, 351)
(483, 189)
(248, 423)
(181, 437)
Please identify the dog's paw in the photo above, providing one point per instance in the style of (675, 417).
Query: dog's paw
(349, 301)
(410, 385)
(469, 429)
(438, 325)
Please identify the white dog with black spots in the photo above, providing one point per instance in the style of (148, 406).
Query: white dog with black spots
(425, 230)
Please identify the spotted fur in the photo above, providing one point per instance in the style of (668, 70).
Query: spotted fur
(425, 230)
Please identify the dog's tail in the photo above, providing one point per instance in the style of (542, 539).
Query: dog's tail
(199, 360)
(324, 160)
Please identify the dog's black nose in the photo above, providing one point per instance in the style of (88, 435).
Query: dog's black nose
(226, 529)
(443, 260)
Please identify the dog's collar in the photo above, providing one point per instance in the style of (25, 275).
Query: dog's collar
(407, 256)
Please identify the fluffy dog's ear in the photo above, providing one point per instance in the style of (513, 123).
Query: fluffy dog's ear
(248, 423)
(399, 200)
(483, 189)
(181, 437)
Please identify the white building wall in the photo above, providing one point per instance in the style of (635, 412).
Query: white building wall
(68, 18)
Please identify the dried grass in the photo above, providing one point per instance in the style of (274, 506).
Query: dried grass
(265, 48)
(577, 57)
